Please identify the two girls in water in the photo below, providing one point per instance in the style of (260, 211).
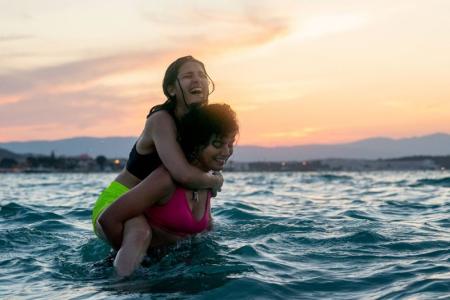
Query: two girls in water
(163, 193)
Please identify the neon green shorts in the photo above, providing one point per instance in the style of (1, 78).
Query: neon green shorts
(106, 198)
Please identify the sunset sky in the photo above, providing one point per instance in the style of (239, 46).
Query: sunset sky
(296, 72)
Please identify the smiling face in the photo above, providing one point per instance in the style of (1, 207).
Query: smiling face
(216, 153)
(190, 86)
(207, 135)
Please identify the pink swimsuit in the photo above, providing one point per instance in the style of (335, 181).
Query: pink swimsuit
(176, 216)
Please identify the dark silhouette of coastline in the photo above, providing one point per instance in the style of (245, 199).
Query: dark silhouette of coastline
(31, 163)
(437, 144)
(411, 163)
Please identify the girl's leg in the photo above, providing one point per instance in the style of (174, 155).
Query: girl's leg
(137, 235)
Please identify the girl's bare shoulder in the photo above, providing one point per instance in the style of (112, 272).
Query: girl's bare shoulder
(161, 116)
(160, 120)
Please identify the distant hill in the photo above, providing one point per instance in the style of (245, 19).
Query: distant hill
(110, 146)
(8, 154)
(373, 148)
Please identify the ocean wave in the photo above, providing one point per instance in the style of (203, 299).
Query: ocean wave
(258, 193)
(410, 205)
(444, 222)
(360, 237)
(417, 245)
(257, 230)
(253, 287)
(439, 182)
(359, 214)
(237, 214)
(334, 177)
(364, 237)
(246, 250)
(14, 212)
(277, 236)
(78, 213)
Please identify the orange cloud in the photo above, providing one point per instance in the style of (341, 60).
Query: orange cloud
(304, 132)
(295, 73)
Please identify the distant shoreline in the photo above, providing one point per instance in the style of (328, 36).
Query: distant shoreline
(437, 144)
(86, 164)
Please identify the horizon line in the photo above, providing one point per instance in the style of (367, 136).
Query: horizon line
(243, 145)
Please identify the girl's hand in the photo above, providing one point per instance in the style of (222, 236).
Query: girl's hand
(218, 186)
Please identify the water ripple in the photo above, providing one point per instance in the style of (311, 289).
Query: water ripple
(443, 182)
(277, 236)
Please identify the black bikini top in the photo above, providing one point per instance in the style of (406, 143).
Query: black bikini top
(141, 165)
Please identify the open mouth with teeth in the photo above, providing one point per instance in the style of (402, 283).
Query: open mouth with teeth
(221, 160)
(196, 91)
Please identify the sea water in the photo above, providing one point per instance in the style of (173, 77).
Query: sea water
(383, 235)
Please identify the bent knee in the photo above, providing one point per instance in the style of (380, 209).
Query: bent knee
(137, 228)
(143, 233)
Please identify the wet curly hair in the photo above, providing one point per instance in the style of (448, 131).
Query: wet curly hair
(202, 123)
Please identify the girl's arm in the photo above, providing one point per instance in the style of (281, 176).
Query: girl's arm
(161, 127)
(158, 186)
